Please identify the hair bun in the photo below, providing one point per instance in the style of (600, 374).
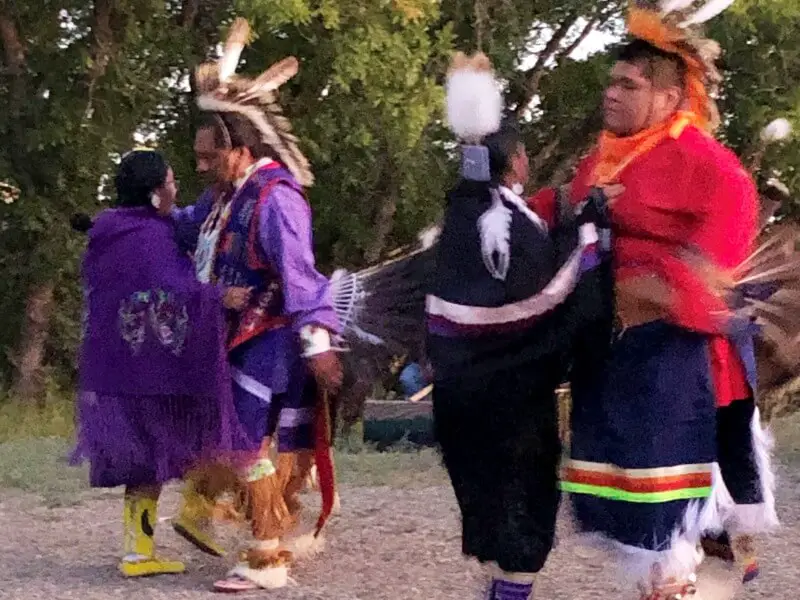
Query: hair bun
(81, 222)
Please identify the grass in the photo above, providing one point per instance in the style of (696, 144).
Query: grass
(19, 421)
(35, 444)
(787, 438)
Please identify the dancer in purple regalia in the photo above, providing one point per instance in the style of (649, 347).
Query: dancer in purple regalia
(155, 396)
(252, 228)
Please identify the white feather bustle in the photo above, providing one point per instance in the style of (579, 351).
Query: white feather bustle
(474, 104)
(494, 227)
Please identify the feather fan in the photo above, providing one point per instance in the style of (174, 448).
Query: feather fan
(767, 284)
(382, 308)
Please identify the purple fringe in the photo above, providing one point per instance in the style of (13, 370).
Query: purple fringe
(148, 440)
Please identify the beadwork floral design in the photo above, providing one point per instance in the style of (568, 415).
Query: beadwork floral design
(168, 320)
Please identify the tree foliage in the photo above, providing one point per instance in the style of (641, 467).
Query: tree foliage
(82, 79)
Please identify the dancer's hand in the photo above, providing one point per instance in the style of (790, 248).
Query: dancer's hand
(326, 368)
(237, 298)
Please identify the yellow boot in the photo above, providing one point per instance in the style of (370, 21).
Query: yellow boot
(194, 519)
(140, 559)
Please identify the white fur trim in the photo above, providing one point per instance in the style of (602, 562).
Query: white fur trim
(681, 559)
(494, 227)
(759, 518)
(271, 578)
(474, 104)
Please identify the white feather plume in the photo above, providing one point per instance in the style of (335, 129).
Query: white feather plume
(668, 6)
(708, 11)
(474, 104)
(495, 230)
(777, 131)
(429, 236)
(237, 38)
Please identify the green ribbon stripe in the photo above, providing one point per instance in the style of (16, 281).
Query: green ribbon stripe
(611, 493)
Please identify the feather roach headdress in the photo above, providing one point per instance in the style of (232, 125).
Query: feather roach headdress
(674, 26)
(221, 90)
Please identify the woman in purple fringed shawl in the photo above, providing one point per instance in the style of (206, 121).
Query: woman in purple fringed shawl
(155, 391)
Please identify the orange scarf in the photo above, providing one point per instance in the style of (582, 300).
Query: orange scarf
(615, 153)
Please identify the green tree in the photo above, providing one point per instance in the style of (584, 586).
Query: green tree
(762, 82)
(79, 78)
(82, 77)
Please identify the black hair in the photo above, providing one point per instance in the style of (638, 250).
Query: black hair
(664, 69)
(140, 173)
(81, 222)
(503, 145)
(233, 130)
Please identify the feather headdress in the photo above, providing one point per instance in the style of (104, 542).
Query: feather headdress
(221, 90)
(674, 27)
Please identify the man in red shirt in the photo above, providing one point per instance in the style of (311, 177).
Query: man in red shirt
(646, 471)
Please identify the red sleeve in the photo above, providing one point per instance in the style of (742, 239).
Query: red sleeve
(726, 229)
(729, 214)
(543, 203)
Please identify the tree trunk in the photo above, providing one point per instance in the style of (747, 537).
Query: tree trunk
(29, 379)
(383, 224)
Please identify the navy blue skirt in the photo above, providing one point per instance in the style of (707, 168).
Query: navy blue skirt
(643, 437)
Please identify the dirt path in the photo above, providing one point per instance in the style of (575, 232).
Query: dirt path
(388, 544)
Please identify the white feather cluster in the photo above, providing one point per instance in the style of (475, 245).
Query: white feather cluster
(494, 227)
(704, 13)
(668, 6)
(777, 131)
(708, 11)
(474, 104)
(429, 236)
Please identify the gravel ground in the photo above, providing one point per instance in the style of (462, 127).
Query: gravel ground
(387, 544)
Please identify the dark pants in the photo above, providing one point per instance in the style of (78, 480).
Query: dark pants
(736, 454)
(499, 440)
